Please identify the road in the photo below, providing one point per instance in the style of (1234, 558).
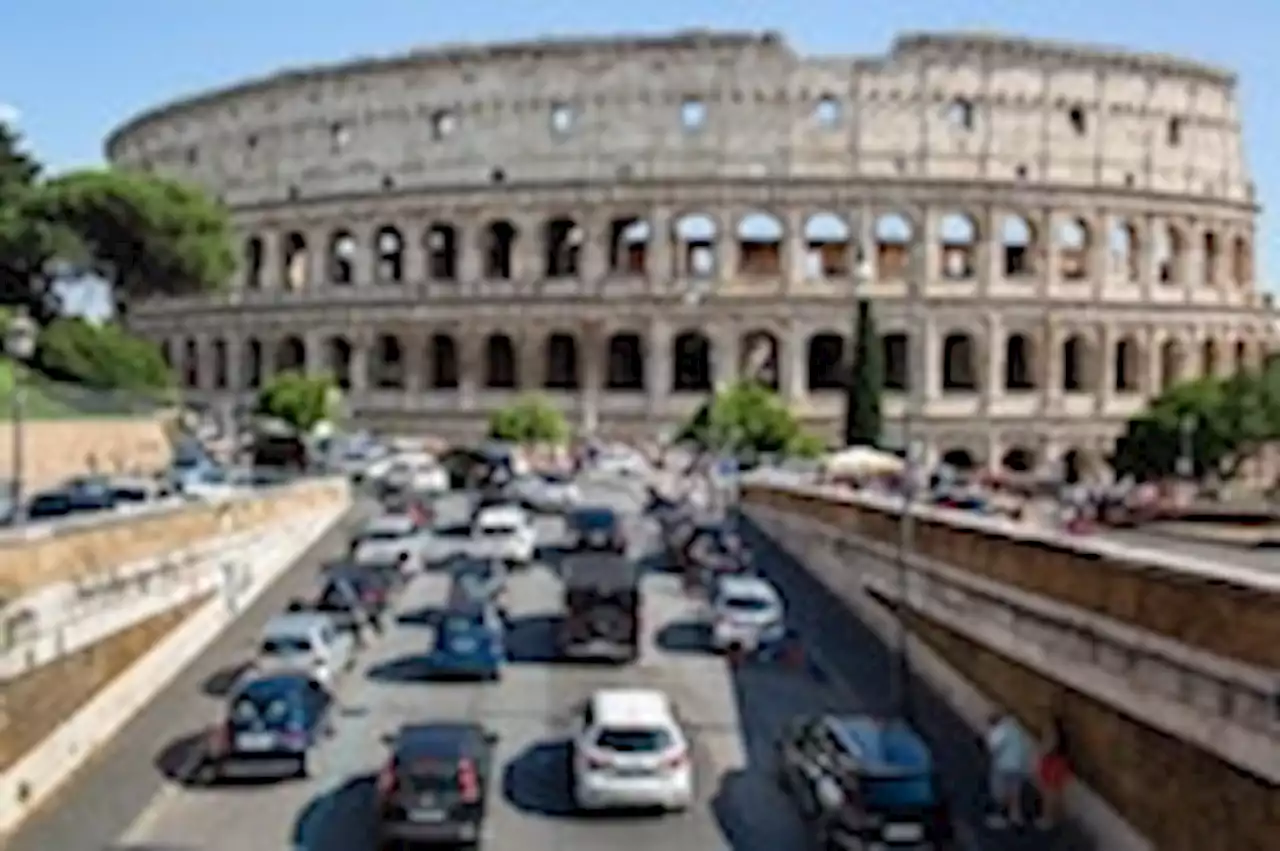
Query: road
(1257, 559)
(134, 797)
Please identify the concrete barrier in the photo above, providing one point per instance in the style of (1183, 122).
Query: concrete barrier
(39, 774)
(1159, 724)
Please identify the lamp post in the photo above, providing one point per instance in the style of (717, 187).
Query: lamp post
(20, 345)
(906, 519)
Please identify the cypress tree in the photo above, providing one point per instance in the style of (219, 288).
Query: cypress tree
(862, 417)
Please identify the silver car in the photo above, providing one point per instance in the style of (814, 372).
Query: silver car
(304, 641)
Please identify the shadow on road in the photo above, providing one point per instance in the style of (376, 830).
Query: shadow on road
(685, 637)
(338, 820)
(221, 681)
(179, 760)
(425, 616)
(531, 639)
(403, 670)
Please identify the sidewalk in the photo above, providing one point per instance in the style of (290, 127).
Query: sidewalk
(863, 664)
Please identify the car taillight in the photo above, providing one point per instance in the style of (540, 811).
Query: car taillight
(387, 781)
(220, 737)
(675, 760)
(468, 782)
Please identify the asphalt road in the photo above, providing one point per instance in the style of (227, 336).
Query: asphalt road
(1259, 559)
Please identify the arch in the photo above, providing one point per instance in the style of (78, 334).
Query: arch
(1125, 246)
(1241, 261)
(1127, 365)
(958, 459)
(1019, 460)
(1072, 466)
(893, 234)
(1019, 363)
(1173, 361)
(1169, 253)
(388, 248)
(959, 363)
(760, 245)
(826, 362)
(338, 358)
(440, 242)
(629, 238)
(828, 241)
(1077, 367)
(958, 242)
(296, 261)
(1210, 358)
(500, 367)
(221, 364)
(895, 350)
(191, 363)
(625, 359)
(696, 254)
(759, 358)
(499, 250)
(253, 363)
(691, 362)
(387, 363)
(1018, 240)
(561, 366)
(562, 248)
(341, 257)
(445, 372)
(166, 353)
(1075, 242)
(254, 257)
(290, 354)
(1212, 251)
(1241, 356)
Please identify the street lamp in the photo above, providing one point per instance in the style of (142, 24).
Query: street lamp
(20, 345)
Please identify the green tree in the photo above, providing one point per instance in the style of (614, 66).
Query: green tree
(30, 240)
(101, 356)
(748, 418)
(862, 416)
(1219, 422)
(144, 235)
(299, 400)
(532, 419)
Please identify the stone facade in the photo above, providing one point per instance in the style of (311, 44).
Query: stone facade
(1051, 234)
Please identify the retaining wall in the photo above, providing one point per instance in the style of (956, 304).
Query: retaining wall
(54, 450)
(1160, 723)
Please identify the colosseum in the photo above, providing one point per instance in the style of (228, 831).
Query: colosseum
(1050, 233)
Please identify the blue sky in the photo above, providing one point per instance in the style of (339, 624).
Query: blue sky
(73, 69)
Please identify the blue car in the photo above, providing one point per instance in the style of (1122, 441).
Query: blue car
(272, 725)
(470, 642)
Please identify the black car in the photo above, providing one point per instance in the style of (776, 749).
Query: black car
(602, 607)
(596, 529)
(354, 601)
(434, 786)
(272, 722)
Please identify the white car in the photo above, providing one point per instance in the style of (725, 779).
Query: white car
(746, 611)
(304, 641)
(503, 532)
(544, 493)
(391, 538)
(630, 752)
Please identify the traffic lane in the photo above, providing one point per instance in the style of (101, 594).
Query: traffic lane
(122, 779)
(1255, 559)
(859, 664)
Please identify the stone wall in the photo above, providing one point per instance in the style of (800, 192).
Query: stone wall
(1230, 616)
(87, 550)
(54, 450)
(1146, 775)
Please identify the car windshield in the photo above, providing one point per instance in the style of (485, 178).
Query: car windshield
(746, 605)
(460, 624)
(383, 535)
(286, 646)
(498, 531)
(892, 792)
(594, 521)
(426, 774)
(269, 707)
(634, 740)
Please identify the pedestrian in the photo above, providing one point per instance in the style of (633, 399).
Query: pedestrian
(1053, 773)
(1009, 759)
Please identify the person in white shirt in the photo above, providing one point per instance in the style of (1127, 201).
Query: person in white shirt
(1009, 753)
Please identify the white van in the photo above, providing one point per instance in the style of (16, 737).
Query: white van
(630, 751)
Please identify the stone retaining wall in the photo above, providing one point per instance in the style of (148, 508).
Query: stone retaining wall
(1227, 612)
(85, 551)
(54, 450)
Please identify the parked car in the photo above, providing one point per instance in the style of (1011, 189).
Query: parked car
(630, 751)
(434, 786)
(860, 780)
(272, 725)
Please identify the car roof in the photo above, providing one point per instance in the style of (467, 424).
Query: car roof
(501, 513)
(594, 512)
(746, 586)
(887, 747)
(391, 522)
(274, 683)
(443, 739)
(623, 707)
(602, 571)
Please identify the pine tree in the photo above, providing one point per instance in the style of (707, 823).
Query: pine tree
(862, 421)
